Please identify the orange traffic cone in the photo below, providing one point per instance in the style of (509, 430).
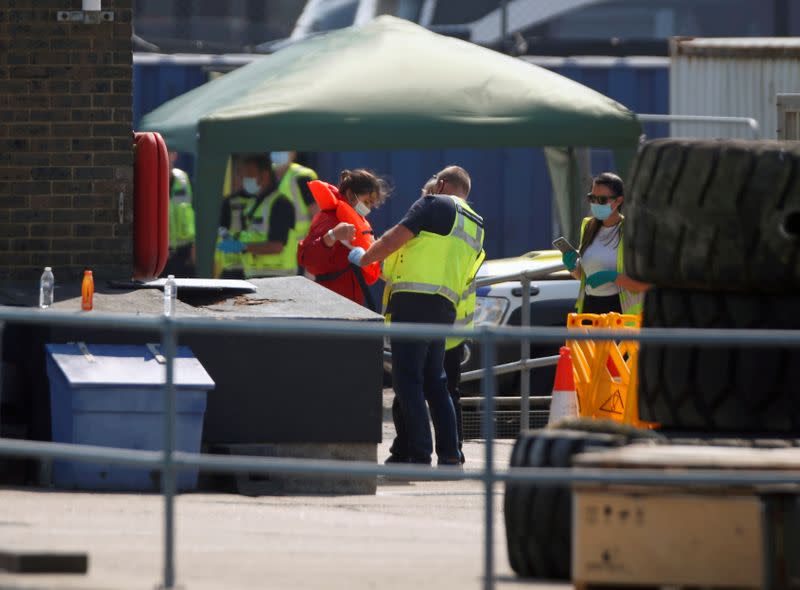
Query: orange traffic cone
(565, 399)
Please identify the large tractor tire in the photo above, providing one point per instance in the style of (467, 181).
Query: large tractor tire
(715, 215)
(539, 517)
(721, 388)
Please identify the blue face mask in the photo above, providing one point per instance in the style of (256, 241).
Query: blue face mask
(362, 209)
(281, 158)
(601, 212)
(250, 185)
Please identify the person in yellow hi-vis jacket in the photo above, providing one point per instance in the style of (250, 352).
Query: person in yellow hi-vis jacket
(599, 263)
(256, 235)
(453, 348)
(181, 262)
(430, 258)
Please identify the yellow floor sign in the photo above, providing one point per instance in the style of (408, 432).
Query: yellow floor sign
(605, 370)
(614, 404)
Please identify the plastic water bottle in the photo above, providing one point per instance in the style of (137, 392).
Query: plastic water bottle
(170, 294)
(47, 285)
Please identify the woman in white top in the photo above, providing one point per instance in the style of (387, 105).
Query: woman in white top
(598, 263)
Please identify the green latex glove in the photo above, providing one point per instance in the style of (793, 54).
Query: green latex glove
(601, 278)
(570, 259)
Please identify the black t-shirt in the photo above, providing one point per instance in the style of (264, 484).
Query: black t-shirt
(431, 213)
(302, 184)
(281, 221)
(435, 214)
(226, 213)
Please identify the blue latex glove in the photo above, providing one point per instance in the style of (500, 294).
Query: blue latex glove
(231, 247)
(601, 278)
(355, 256)
(570, 259)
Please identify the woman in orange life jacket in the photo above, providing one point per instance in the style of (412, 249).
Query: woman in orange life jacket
(323, 253)
(598, 264)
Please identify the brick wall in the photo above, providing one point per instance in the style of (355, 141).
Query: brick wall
(65, 141)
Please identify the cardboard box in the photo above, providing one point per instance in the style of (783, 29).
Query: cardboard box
(663, 537)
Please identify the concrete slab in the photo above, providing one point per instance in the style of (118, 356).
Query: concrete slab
(146, 302)
(254, 484)
(278, 297)
(292, 297)
(409, 535)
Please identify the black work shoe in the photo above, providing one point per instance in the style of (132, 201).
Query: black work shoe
(395, 459)
(450, 463)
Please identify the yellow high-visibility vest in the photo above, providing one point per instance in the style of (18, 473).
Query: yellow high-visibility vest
(629, 302)
(181, 213)
(288, 186)
(435, 264)
(257, 230)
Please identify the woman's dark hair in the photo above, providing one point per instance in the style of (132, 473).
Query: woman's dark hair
(361, 182)
(617, 187)
(612, 181)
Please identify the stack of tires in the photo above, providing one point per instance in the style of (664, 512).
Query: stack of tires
(715, 227)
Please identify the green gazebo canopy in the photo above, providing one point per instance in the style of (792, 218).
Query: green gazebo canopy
(387, 85)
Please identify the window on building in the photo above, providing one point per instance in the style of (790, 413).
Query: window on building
(335, 15)
(661, 19)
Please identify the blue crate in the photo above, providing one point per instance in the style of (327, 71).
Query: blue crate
(112, 396)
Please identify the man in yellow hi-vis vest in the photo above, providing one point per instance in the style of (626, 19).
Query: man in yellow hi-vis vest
(265, 244)
(430, 258)
(453, 348)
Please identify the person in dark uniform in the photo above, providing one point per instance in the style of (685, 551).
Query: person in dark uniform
(430, 257)
(453, 357)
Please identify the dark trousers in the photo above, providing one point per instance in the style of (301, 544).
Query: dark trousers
(180, 263)
(418, 375)
(606, 304)
(233, 273)
(452, 369)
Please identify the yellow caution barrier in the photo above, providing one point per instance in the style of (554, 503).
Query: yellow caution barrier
(606, 371)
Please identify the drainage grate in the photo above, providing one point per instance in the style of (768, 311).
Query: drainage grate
(506, 422)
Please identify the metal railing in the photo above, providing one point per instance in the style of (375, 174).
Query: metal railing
(168, 460)
(749, 122)
(525, 364)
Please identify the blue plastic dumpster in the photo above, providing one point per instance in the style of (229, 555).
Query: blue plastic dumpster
(113, 396)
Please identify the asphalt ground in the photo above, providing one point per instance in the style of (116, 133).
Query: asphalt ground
(409, 535)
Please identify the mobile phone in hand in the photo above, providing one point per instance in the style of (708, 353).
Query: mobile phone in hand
(563, 244)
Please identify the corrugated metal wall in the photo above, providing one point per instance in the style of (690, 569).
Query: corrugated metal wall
(511, 187)
(737, 79)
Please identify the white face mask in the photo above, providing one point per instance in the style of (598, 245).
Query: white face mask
(250, 185)
(362, 209)
(280, 158)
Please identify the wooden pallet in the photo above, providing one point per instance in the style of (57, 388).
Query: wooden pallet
(687, 536)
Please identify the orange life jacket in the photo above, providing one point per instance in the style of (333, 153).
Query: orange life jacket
(327, 197)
